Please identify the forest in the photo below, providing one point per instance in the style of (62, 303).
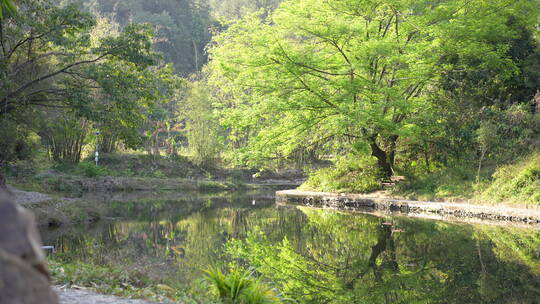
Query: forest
(350, 92)
(164, 128)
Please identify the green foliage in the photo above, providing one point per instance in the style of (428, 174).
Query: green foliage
(238, 286)
(7, 8)
(402, 80)
(213, 186)
(516, 183)
(58, 184)
(351, 173)
(90, 169)
(201, 127)
(16, 141)
(183, 27)
(230, 10)
(64, 135)
(519, 183)
(140, 165)
(63, 62)
(508, 134)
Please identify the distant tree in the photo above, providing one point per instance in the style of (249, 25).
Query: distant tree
(201, 125)
(182, 27)
(58, 57)
(236, 9)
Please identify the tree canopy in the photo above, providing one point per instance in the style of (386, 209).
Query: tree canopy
(364, 73)
(61, 59)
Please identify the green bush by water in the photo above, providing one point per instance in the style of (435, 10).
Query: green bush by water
(238, 286)
(349, 174)
(89, 169)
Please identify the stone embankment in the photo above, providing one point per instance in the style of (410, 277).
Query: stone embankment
(439, 210)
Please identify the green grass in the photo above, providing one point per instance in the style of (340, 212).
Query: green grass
(90, 169)
(517, 183)
(514, 184)
(449, 184)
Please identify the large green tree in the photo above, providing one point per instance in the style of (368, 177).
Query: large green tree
(62, 59)
(48, 54)
(363, 74)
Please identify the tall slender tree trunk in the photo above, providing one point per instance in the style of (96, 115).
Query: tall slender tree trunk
(196, 52)
(2, 181)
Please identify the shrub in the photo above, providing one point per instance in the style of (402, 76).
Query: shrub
(89, 169)
(238, 286)
(157, 174)
(349, 174)
(134, 164)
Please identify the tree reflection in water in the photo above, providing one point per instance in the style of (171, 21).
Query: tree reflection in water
(314, 256)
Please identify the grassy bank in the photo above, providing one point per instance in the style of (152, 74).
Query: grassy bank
(515, 184)
(129, 281)
(134, 171)
(59, 212)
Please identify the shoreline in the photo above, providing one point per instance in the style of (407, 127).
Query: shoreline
(426, 209)
(55, 209)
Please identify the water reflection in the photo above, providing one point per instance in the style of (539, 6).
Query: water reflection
(313, 256)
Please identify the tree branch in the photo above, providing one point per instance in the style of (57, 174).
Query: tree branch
(57, 72)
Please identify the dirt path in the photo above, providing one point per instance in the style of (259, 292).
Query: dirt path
(74, 296)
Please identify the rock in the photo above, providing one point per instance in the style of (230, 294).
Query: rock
(20, 283)
(24, 278)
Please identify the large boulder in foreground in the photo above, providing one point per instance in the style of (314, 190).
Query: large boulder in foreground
(23, 274)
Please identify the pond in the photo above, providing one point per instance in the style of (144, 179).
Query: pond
(309, 255)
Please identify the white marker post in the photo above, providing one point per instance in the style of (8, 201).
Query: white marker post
(97, 147)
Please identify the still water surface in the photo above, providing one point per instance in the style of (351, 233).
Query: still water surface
(310, 255)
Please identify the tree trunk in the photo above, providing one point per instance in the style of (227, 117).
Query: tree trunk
(196, 55)
(385, 160)
(2, 181)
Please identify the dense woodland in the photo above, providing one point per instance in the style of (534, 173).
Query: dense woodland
(424, 99)
(353, 92)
